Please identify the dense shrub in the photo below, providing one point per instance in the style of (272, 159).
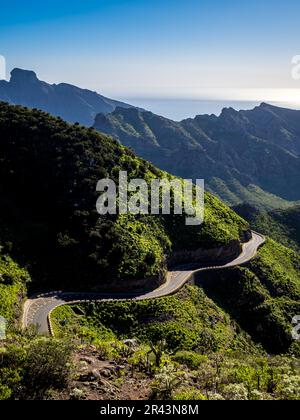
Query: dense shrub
(13, 282)
(191, 359)
(29, 369)
(47, 365)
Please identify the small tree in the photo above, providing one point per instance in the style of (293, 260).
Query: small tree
(158, 351)
(166, 382)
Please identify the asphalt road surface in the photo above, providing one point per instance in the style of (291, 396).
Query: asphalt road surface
(38, 307)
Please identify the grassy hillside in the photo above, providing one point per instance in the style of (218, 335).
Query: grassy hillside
(227, 338)
(281, 225)
(207, 342)
(188, 320)
(13, 282)
(261, 299)
(48, 175)
(95, 363)
(235, 194)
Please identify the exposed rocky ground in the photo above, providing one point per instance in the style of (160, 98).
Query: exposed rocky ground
(98, 379)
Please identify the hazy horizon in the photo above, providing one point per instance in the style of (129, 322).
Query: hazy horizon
(204, 51)
(178, 109)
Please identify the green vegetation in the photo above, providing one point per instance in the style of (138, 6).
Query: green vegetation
(234, 193)
(210, 341)
(278, 269)
(242, 378)
(281, 225)
(30, 367)
(41, 368)
(189, 358)
(232, 152)
(236, 370)
(13, 281)
(187, 321)
(228, 337)
(185, 346)
(54, 167)
(263, 297)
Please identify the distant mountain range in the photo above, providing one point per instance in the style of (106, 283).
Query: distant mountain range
(66, 101)
(244, 156)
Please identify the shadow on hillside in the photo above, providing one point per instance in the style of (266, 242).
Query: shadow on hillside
(248, 306)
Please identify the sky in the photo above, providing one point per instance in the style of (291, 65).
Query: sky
(214, 50)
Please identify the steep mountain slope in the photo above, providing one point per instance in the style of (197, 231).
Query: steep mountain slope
(48, 175)
(63, 100)
(260, 299)
(281, 225)
(243, 156)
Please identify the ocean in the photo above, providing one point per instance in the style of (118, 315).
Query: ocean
(179, 109)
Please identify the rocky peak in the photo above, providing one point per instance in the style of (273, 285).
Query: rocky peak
(23, 76)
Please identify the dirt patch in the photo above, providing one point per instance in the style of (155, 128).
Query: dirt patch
(97, 379)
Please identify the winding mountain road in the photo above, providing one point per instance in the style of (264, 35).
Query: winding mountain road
(37, 309)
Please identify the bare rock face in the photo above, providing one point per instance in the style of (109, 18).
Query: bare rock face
(135, 285)
(21, 78)
(208, 257)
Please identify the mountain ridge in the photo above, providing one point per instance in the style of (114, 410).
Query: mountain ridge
(64, 100)
(242, 155)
